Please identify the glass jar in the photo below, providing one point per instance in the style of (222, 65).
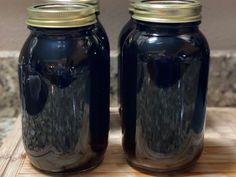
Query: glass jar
(99, 30)
(126, 30)
(64, 87)
(164, 80)
(129, 26)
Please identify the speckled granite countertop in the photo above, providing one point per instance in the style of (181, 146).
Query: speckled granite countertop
(222, 84)
(9, 97)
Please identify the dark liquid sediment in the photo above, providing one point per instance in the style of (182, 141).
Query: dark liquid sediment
(164, 88)
(64, 78)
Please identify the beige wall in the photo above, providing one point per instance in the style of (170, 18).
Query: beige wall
(219, 22)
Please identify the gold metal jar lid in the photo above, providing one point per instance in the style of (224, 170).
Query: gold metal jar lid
(94, 3)
(167, 11)
(61, 15)
(131, 5)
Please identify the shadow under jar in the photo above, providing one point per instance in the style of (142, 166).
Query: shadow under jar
(64, 87)
(164, 80)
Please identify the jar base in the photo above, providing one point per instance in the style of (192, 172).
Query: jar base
(175, 170)
(92, 164)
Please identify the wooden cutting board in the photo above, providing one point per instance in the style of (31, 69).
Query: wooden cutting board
(218, 158)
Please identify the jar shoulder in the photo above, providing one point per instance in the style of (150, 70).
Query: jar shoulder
(56, 47)
(128, 27)
(172, 44)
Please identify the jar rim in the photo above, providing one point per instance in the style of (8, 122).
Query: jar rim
(58, 15)
(167, 11)
(94, 3)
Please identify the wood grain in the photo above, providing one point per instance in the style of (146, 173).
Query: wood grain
(8, 149)
(218, 158)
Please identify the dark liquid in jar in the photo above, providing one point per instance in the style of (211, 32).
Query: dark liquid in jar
(102, 35)
(163, 90)
(123, 35)
(64, 83)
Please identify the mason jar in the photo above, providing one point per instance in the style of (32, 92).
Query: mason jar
(129, 26)
(165, 64)
(64, 86)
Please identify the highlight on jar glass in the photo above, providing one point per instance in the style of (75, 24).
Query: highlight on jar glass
(64, 86)
(100, 30)
(126, 30)
(165, 67)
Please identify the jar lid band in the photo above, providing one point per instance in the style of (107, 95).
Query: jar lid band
(131, 5)
(167, 11)
(94, 3)
(57, 15)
